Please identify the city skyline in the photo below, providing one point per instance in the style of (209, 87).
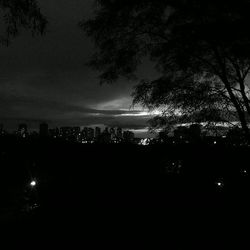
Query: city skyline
(46, 78)
(139, 132)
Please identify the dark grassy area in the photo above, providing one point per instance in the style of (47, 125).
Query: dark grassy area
(114, 190)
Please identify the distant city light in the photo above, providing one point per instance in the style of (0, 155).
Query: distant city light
(220, 184)
(215, 142)
(33, 183)
(244, 172)
(144, 142)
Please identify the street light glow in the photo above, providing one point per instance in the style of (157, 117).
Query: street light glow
(33, 183)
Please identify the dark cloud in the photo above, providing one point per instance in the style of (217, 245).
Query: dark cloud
(35, 110)
(46, 78)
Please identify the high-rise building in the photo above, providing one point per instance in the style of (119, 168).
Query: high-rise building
(65, 131)
(105, 136)
(44, 130)
(119, 133)
(90, 134)
(76, 133)
(23, 130)
(84, 133)
(106, 130)
(76, 130)
(54, 132)
(97, 132)
(1, 129)
(112, 134)
(128, 136)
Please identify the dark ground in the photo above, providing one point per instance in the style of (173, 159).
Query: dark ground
(107, 192)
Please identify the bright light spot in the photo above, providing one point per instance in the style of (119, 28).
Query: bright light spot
(33, 183)
(244, 172)
(219, 184)
(215, 142)
(144, 142)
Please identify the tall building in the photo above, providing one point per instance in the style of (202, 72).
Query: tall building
(71, 133)
(76, 130)
(112, 134)
(97, 132)
(76, 133)
(65, 131)
(84, 133)
(119, 133)
(106, 130)
(23, 130)
(44, 130)
(128, 136)
(54, 132)
(1, 129)
(90, 134)
(105, 136)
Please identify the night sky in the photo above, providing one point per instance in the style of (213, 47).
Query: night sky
(45, 79)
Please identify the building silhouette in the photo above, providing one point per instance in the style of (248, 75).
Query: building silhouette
(55, 132)
(23, 130)
(1, 129)
(128, 136)
(105, 136)
(90, 134)
(97, 133)
(65, 131)
(44, 130)
(119, 133)
(188, 134)
(112, 134)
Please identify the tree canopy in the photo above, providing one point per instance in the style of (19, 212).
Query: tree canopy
(200, 48)
(18, 14)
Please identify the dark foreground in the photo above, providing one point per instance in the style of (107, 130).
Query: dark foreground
(121, 192)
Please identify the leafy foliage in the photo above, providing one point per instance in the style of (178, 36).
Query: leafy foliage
(17, 14)
(200, 48)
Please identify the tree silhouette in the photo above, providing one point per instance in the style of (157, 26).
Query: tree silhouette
(200, 48)
(18, 14)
